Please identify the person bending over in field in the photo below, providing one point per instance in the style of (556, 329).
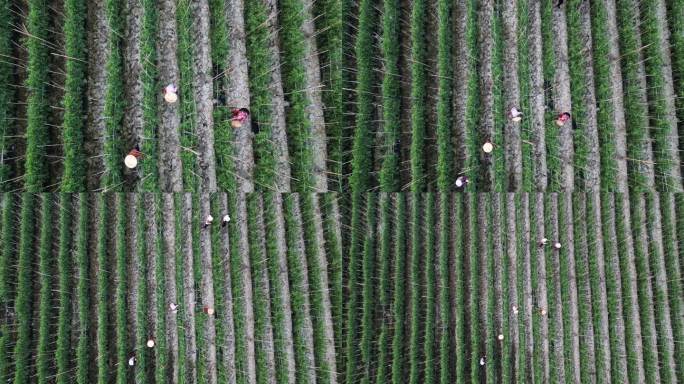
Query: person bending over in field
(562, 119)
(461, 182)
(131, 160)
(170, 94)
(207, 222)
(239, 117)
(515, 115)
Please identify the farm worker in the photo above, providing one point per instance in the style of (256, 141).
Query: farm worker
(515, 115)
(562, 119)
(171, 94)
(131, 160)
(225, 220)
(557, 245)
(543, 242)
(207, 221)
(501, 336)
(515, 310)
(543, 311)
(461, 181)
(482, 360)
(488, 147)
(239, 117)
(173, 307)
(209, 310)
(131, 361)
(150, 343)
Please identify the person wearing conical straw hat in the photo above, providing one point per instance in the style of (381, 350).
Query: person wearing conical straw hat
(557, 245)
(239, 116)
(173, 307)
(131, 361)
(171, 94)
(487, 147)
(461, 182)
(543, 242)
(208, 310)
(225, 221)
(150, 343)
(131, 160)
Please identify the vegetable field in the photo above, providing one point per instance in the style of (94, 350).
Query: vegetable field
(84, 83)
(433, 83)
(515, 288)
(124, 288)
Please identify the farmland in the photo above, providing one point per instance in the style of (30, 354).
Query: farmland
(431, 82)
(83, 81)
(461, 288)
(88, 281)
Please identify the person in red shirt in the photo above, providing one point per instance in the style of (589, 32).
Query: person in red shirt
(239, 117)
(562, 119)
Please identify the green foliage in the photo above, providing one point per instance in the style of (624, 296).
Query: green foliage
(22, 306)
(604, 95)
(362, 158)
(278, 292)
(418, 93)
(261, 63)
(415, 293)
(472, 93)
(123, 373)
(6, 94)
(45, 313)
(578, 64)
(675, 13)
(298, 293)
(262, 316)
(661, 304)
(37, 109)
(115, 103)
(445, 161)
(333, 248)
(318, 289)
(529, 165)
(459, 267)
(661, 113)
(188, 139)
(7, 258)
(384, 255)
(636, 113)
(391, 95)
(223, 132)
(103, 294)
(368, 294)
(399, 298)
(646, 307)
(329, 25)
(353, 282)
(613, 290)
(498, 154)
(74, 178)
(63, 354)
(430, 291)
(83, 349)
(674, 281)
(294, 56)
(239, 304)
(597, 278)
(151, 89)
(553, 165)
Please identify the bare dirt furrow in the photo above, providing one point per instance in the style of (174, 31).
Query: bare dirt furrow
(204, 96)
(207, 292)
(170, 168)
(237, 93)
(561, 95)
(168, 231)
(511, 95)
